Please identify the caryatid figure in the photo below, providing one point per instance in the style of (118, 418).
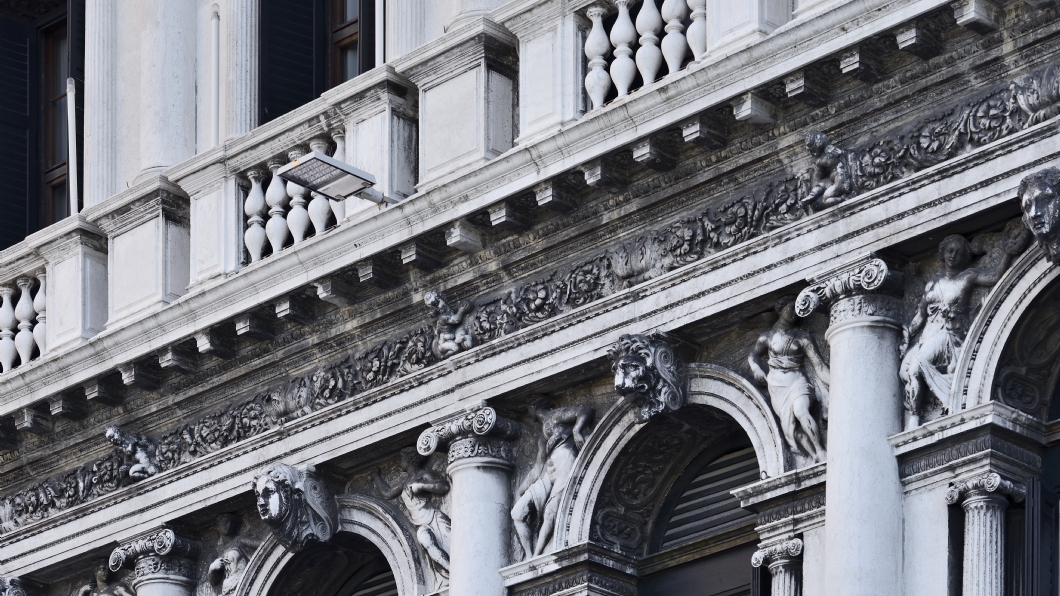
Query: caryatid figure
(797, 381)
(417, 487)
(564, 431)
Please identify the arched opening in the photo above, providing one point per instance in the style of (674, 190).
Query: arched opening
(348, 565)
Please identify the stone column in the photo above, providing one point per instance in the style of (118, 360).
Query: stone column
(785, 566)
(241, 46)
(480, 459)
(101, 105)
(984, 499)
(163, 563)
(863, 521)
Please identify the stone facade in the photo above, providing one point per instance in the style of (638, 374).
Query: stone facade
(661, 297)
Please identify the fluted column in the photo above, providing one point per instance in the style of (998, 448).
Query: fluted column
(984, 500)
(480, 459)
(241, 45)
(863, 528)
(784, 561)
(101, 168)
(163, 563)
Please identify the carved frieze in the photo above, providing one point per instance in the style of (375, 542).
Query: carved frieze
(297, 506)
(982, 445)
(648, 374)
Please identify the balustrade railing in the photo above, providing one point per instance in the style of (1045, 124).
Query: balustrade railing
(23, 326)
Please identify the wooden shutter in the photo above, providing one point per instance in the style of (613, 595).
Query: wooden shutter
(18, 131)
(294, 45)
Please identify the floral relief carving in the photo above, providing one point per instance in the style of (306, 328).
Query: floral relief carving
(463, 324)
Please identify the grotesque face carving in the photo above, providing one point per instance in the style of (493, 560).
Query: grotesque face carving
(647, 374)
(273, 492)
(1040, 200)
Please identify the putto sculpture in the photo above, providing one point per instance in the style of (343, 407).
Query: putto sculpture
(797, 381)
(563, 433)
(647, 374)
(141, 453)
(451, 334)
(1039, 196)
(932, 342)
(417, 488)
(830, 178)
(296, 505)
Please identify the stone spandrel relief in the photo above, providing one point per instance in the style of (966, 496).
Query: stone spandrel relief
(562, 434)
(1039, 196)
(987, 117)
(932, 342)
(420, 488)
(105, 582)
(648, 374)
(796, 377)
(11, 586)
(234, 552)
(297, 506)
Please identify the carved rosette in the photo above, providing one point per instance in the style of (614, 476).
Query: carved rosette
(860, 289)
(158, 555)
(478, 433)
(984, 500)
(785, 566)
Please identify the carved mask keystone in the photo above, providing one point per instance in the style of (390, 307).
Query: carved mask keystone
(296, 505)
(1039, 196)
(648, 374)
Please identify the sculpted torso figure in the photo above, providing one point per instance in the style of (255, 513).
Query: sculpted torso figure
(797, 381)
(137, 448)
(451, 334)
(933, 341)
(227, 569)
(105, 584)
(564, 435)
(831, 181)
(416, 489)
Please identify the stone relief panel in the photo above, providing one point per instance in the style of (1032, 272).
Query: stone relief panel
(796, 377)
(836, 173)
(944, 310)
(1027, 370)
(297, 506)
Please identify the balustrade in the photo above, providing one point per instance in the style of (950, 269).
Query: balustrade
(23, 328)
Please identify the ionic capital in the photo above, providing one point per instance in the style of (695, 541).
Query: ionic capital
(863, 288)
(777, 554)
(480, 432)
(158, 553)
(987, 484)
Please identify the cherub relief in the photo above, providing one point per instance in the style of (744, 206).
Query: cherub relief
(831, 181)
(932, 342)
(451, 332)
(797, 381)
(417, 487)
(564, 431)
(137, 448)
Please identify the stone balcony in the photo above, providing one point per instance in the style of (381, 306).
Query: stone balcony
(157, 287)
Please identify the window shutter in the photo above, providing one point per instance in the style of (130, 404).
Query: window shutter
(294, 46)
(18, 130)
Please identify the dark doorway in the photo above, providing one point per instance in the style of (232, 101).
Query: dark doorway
(347, 566)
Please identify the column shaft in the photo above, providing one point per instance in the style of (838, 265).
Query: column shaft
(785, 574)
(241, 43)
(864, 517)
(984, 543)
(481, 536)
(100, 173)
(167, 85)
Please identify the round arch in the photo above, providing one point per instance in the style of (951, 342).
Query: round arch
(709, 385)
(361, 516)
(997, 320)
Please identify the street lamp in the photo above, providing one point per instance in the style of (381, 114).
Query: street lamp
(332, 178)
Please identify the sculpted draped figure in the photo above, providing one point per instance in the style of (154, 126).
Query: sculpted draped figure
(563, 434)
(227, 569)
(797, 381)
(105, 583)
(1039, 196)
(416, 488)
(932, 342)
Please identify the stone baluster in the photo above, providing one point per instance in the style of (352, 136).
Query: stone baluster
(674, 46)
(24, 313)
(480, 459)
(40, 304)
(649, 56)
(697, 31)
(298, 217)
(276, 197)
(255, 208)
(7, 330)
(864, 517)
(784, 562)
(316, 213)
(597, 81)
(984, 500)
(623, 35)
(163, 563)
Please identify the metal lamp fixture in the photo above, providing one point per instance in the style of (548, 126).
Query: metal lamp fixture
(332, 178)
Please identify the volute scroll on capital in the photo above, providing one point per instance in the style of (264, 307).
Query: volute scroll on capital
(11, 586)
(788, 549)
(990, 483)
(480, 432)
(162, 542)
(868, 279)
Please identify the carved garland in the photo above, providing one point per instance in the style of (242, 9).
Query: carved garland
(1006, 109)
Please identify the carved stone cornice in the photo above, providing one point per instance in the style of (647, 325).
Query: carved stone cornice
(780, 553)
(477, 433)
(862, 288)
(987, 484)
(157, 554)
(586, 568)
(170, 203)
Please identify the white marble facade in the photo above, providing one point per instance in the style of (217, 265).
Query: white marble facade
(649, 297)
